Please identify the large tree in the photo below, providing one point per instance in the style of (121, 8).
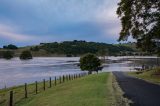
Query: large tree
(90, 62)
(141, 20)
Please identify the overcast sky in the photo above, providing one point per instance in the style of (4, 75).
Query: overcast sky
(27, 22)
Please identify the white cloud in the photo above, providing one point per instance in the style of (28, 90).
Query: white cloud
(11, 33)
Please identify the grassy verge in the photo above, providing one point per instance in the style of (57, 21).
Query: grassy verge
(152, 76)
(92, 90)
(119, 99)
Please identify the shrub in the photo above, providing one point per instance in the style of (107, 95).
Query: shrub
(26, 55)
(7, 54)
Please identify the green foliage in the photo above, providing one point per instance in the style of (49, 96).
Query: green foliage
(141, 20)
(36, 48)
(77, 48)
(26, 55)
(10, 46)
(89, 62)
(7, 54)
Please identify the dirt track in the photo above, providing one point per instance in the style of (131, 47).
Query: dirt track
(140, 92)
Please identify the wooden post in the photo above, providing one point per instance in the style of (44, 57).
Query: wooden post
(25, 90)
(36, 87)
(55, 81)
(69, 77)
(11, 99)
(50, 82)
(44, 84)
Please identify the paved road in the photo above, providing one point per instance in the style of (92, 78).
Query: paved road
(140, 92)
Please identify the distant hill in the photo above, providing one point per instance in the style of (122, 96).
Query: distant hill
(75, 48)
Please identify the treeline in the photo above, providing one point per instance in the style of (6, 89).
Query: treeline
(69, 49)
(77, 48)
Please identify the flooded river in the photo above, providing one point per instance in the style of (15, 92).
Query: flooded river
(16, 72)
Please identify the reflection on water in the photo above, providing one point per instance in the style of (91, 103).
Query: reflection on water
(16, 72)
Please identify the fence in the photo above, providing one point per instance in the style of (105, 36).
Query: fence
(11, 96)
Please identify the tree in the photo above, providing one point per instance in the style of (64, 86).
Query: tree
(10, 46)
(141, 20)
(26, 55)
(7, 54)
(90, 63)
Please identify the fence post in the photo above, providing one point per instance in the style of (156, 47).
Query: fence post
(55, 81)
(69, 77)
(63, 78)
(50, 82)
(36, 87)
(26, 90)
(44, 84)
(11, 99)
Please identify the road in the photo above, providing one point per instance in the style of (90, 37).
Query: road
(140, 92)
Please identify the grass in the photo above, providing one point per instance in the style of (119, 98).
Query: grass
(152, 76)
(92, 90)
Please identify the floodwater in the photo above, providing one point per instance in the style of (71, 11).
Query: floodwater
(17, 72)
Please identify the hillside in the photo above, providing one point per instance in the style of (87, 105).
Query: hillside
(74, 48)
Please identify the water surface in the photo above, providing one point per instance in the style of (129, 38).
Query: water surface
(17, 72)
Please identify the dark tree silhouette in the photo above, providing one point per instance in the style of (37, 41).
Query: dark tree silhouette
(26, 55)
(141, 20)
(90, 63)
(7, 54)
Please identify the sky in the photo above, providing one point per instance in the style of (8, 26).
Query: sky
(30, 22)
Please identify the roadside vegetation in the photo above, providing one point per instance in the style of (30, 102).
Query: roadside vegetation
(92, 90)
(152, 76)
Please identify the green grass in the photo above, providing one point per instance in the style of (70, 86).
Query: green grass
(93, 90)
(150, 75)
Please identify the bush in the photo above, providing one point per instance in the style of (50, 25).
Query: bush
(10, 47)
(7, 54)
(90, 63)
(26, 55)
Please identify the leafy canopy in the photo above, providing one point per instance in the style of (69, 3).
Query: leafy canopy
(89, 62)
(141, 20)
(10, 46)
(26, 55)
(8, 54)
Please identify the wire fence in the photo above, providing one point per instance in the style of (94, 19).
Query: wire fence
(11, 96)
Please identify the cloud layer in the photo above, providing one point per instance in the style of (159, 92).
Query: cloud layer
(34, 21)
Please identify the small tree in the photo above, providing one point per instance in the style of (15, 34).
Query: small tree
(90, 63)
(26, 55)
(7, 54)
